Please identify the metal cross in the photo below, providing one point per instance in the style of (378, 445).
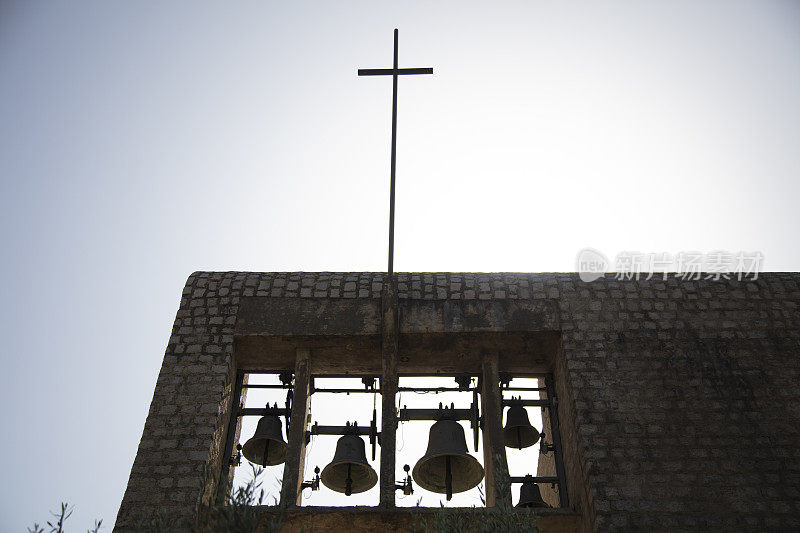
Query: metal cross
(393, 72)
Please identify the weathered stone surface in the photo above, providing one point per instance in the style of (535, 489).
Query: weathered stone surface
(307, 316)
(678, 400)
(456, 316)
(358, 519)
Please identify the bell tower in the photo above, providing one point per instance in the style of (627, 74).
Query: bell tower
(612, 416)
(634, 387)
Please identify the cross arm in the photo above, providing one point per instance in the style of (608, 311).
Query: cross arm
(391, 71)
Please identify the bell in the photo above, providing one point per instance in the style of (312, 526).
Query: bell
(349, 472)
(266, 447)
(519, 433)
(529, 494)
(446, 466)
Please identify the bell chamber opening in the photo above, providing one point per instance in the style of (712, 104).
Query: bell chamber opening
(345, 418)
(526, 433)
(439, 444)
(262, 437)
(441, 423)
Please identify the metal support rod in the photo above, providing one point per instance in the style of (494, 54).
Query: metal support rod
(556, 436)
(345, 376)
(527, 403)
(262, 411)
(434, 374)
(434, 389)
(535, 479)
(265, 386)
(346, 391)
(339, 430)
(530, 389)
(434, 414)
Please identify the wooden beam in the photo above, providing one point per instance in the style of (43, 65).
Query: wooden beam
(296, 433)
(494, 449)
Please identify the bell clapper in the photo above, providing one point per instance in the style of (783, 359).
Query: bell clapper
(448, 479)
(348, 484)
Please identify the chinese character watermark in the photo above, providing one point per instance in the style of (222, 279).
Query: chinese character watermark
(591, 264)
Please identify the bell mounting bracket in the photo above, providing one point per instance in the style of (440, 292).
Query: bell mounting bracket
(553, 480)
(371, 431)
(285, 411)
(267, 411)
(535, 479)
(526, 403)
(405, 485)
(545, 448)
(314, 483)
(236, 460)
(371, 386)
(444, 413)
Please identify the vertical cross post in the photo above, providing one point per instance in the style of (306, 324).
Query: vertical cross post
(394, 72)
(394, 158)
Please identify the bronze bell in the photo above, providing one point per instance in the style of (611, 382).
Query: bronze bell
(529, 494)
(266, 447)
(519, 433)
(349, 472)
(446, 466)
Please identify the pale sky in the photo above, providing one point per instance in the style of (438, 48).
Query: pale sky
(142, 141)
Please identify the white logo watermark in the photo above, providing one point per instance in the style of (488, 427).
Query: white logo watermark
(591, 264)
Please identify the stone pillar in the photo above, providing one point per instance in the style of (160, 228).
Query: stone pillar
(291, 492)
(389, 348)
(494, 450)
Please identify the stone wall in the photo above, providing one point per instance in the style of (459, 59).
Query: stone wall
(686, 399)
(679, 401)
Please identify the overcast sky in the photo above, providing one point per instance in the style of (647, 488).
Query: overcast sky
(142, 141)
